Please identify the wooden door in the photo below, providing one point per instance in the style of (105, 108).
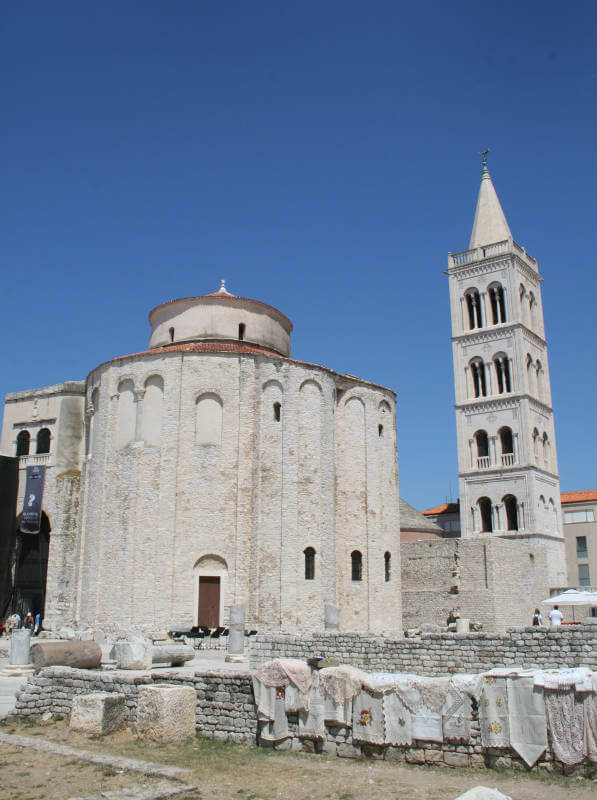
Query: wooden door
(209, 601)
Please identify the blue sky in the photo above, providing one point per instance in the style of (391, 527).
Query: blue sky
(320, 156)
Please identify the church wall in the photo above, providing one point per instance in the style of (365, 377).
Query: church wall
(157, 517)
(493, 581)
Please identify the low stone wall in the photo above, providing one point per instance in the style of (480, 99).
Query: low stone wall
(226, 711)
(439, 653)
(225, 706)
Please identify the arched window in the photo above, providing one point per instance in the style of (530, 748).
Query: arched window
(356, 560)
(484, 504)
(23, 442)
(473, 305)
(171, 334)
(523, 303)
(309, 564)
(208, 420)
(511, 506)
(478, 375)
(43, 441)
(152, 411)
(501, 363)
(482, 441)
(498, 306)
(531, 375)
(93, 421)
(536, 445)
(532, 310)
(507, 445)
(553, 515)
(277, 412)
(387, 566)
(546, 451)
(127, 413)
(241, 331)
(540, 381)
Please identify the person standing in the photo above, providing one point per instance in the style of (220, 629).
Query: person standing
(555, 617)
(537, 618)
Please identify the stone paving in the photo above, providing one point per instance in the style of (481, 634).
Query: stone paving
(117, 762)
(159, 792)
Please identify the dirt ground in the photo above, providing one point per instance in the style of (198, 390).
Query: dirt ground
(243, 772)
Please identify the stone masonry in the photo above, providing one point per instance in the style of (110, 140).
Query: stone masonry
(440, 653)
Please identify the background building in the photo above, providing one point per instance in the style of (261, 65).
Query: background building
(580, 532)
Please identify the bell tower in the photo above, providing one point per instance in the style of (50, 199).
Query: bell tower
(507, 464)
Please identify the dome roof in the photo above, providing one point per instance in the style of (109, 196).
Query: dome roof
(220, 316)
(413, 520)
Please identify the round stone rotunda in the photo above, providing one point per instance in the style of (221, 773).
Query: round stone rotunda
(219, 471)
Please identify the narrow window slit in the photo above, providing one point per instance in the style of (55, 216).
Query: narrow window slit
(277, 412)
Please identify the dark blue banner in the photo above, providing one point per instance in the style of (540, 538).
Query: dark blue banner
(34, 491)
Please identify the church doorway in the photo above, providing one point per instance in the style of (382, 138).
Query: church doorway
(211, 585)
(209, 601)
(31, 569)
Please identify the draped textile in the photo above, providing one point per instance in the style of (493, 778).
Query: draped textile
(427, 724)
(565, 714)
(271, 712)
(590, 720)
(398, 720)
(526, 719)
(282, 671)
(312, 722)
(493, 712)
(295, 701)
(342, 683)
(579, 677)
(408, 692)
(433, 691)
(367, 718)
(337, 713)
(457, 714)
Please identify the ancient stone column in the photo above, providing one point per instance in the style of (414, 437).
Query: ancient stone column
(330, 617)
(236, 635)
(20, 642)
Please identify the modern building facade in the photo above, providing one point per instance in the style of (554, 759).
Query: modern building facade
(580, 533)
(507, 464)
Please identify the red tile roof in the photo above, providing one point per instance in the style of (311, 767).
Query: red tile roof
(445, 508)
(578, 497)
(205, 347)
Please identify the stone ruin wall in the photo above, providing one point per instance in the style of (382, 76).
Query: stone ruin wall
(437, 654)
(226, 711)
(493, 581)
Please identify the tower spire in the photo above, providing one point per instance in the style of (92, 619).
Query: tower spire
(490, 224)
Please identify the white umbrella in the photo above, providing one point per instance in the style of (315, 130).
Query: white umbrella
(572, 597)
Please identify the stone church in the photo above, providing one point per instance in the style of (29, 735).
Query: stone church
(211, 469)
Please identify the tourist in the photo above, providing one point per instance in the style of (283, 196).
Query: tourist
(37, 625)
(28, 622)
(537, 618)
(555, 617)
(14, 621)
